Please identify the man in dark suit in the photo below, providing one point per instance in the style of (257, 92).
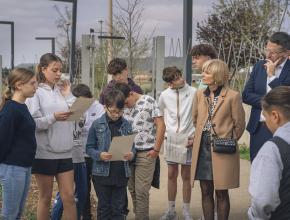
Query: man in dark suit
(266, 74)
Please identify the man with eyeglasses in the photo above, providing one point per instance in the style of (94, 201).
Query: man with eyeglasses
(267, 74)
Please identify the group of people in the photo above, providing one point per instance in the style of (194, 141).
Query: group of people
(37, 138)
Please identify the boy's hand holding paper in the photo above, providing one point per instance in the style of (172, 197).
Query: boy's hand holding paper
(121, 147)
(105, 156)
(128, 156)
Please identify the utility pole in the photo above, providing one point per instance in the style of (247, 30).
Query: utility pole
(110, 43)
(92, 56)
(187, 38)
(68, 48)
(101, 40)
(103, 67)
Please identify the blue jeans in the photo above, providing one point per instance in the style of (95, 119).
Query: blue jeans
(80, 178)
(15, 182)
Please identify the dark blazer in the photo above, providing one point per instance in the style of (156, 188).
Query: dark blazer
(256, 88)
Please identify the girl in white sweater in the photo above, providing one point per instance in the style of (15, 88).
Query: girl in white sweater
(54, 135)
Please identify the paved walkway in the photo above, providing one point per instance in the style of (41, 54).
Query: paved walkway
(158, 199)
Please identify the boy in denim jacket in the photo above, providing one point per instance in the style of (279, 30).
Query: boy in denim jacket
(110, 177)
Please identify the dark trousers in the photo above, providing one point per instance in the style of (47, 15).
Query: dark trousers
(87, 206)
(111, 201)
(257, 139)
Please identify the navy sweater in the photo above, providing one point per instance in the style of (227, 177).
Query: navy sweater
(17, 135)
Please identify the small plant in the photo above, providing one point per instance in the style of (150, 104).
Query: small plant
(244, 152)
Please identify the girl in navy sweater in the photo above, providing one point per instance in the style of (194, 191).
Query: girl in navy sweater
(17, 142)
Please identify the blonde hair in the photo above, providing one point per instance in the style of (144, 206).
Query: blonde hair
(219, 69)
(16, 75)
(45, 60)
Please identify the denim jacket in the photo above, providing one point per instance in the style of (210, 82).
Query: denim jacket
(99, 140)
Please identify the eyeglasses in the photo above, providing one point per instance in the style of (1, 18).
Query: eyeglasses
(114, 112)
(267, 51)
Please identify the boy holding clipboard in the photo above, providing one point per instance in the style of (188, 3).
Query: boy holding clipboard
(110, 177)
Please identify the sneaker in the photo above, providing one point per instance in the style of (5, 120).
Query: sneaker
(187, 216)
(169, 215)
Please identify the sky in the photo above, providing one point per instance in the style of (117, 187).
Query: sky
(36, 18)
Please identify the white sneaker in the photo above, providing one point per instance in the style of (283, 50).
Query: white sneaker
(187, 216)
(169, 215)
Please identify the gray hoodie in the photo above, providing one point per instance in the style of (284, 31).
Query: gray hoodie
(266, 173)
(54, 138)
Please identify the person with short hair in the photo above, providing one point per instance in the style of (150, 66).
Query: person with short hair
(270, 171)
(217, 112)
(117, 67)
(119, 71)
(267, 74)
(110, 177)
(81, 163)
(201, 53)
(175, 104)
(17, 142)
(95, 111)
(143, 114)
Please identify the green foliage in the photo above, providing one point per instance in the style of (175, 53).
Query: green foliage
(146, 87)
(244, 152)
(239, 26)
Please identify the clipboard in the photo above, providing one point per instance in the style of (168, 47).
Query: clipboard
(79, 107)
(121, 145)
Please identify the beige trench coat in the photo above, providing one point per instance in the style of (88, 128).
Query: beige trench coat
(228, 115)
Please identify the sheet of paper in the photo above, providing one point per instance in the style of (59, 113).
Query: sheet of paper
(175, 147)
(79, 107)
(121, 145)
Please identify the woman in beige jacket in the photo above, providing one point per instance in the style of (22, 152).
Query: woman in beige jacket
(216, 171)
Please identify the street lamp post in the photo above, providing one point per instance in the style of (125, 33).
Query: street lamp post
(11, 23)
(73, 38)
(187, 38)
(52, 39)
